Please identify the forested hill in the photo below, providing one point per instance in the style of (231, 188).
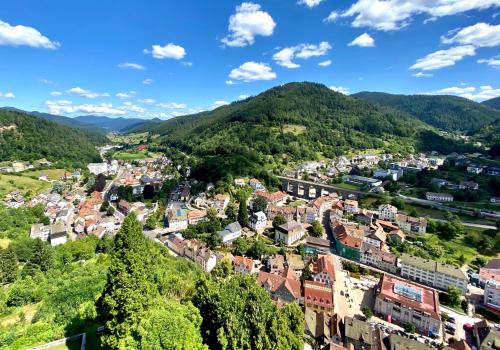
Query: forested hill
(26, 137)
(114, 124)
(293, 122)
(493, 103)
(449, 113)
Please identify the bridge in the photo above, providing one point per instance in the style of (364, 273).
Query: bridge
(311, 190)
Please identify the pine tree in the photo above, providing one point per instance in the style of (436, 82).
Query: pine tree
(243, 211)
(128, 290)
(8, 265)
(42, 256)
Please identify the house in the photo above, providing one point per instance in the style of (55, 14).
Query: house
(98, 168)
(474, 169)
(468, 185)
(393, 174)
(43, 177)
(317, 245)
(490, 271)
(323, 270)
(401, 302)
(361, 180)
(387, 212)
(289, 233)
(196, 216)
(258, 221)
(206, 259)
(439, 197)
(318, 296)
(275, 263)
(295, 262)
(495, 200)
(351, 206)
(58, 234)
(374, 256)
(40, 231)
(411, 224)
(272, 197)
(432, 273)
(492, 296)
(18, 167)
(323, 203)
(221, 201)
(282, 286)
(230, 233)
(176, 243)
(360, 335)
(176, 219)
(256, 185)
(243, 265)
(124, 206)
(347, 240)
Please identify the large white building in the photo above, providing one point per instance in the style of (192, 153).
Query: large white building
(492, 296)
(387, 212)
(433, 273)
(289, 233)
(258, 221)
(439, 197)
(98, 168)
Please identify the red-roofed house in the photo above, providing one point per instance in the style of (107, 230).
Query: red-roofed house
(272, 197)
(318, 296)
(243, 265)
(323, 270)
(284, 286)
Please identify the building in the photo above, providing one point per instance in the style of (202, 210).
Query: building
(230, 233)
(411, 224)
(295, 262)
(323, 270)
(468, 185)
(490, 271)
(289, 233)
(258, 221)
(283, 286)
(351, 206)
(243, 265)
(317, 245)
(98, 168)
(196, 216)
(176, 243)
(387, 212)
(221, 201)
(256, 185)
(374, 256)
(272, 197)
(474, 169)
(433, 273)
(318, 296)
(276, 263)
(361, 180)
(492, 296)
(176, 219)
(347, 240)
(361, 335)
(58, 234)
(206, 259)
(402, 302)
(393, 174)
(40, 231)
(439, 197)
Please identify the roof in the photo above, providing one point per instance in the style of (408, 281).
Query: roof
(318, 294)
(324, 264)
(290, 226)
(315, 241)
(429, 303)
(288, 279)
(431, 265)
(247, 262)
(271, 196)
(233, 227)
(196, 214)
(459, 345)
(295, 261)
(436, 194)
(356, 329)
(397, 342)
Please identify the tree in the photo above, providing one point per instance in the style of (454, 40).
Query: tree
(316, 229)
(8, 265)
(104, 206)
(151, 222)
(42, 257)
(211, 214)
(222, 269)
(243, 211)
(409, 327)
(257, 249)
(110, 211)
(454, 296)
(99, 184)
(240, 246)
(413, 212)
(278, 221)
(259, 204)
(367, 312)
(306, 273)
(231, 212)
(149, 192)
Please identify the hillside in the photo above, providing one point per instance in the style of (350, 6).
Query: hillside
(449, 113)
(26, 137)
(292, 122)
(493, 103)
(113, 124)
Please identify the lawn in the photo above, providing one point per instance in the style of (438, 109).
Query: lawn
(73, 345)
(52, 174)
(347, 186)
(134, 155)
(133, 139)
(294, 129)
(27, 186)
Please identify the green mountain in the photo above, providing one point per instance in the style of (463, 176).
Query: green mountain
(493, 103)
(27, 137)
(449, 113)
(113, 124)
(292, 122)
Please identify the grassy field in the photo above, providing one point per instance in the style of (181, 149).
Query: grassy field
(133, 139)
(52, 174)
(4, 242)
(27, 186)
(134, 155)
(347, 186)
(294, 129)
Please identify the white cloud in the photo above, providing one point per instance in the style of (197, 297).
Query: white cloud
(47, 82)
(56, 93)
(130, 107)
(147, 101)
(332, 17)
(493, 62)
(218, 104)
(171, 105)
(325, 63)
(7, 95)
(66, 107)
(482, 93)
(163, 115)
(444, 58)
(422, 75)
(252, 71)
(364, 40)
(170, 50)
(86, 93)
(341, 89)
(247, 23)
(479, 35)
(309, 3)
(131, 66)
(243, 97)
(187, 64)
(390, 15)
(285, 56)
(148, 81)
(126, 95)
(24, 36)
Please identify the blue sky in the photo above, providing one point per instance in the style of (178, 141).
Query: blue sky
(166, 58)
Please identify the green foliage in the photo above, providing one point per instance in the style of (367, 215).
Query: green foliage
(409, 327)
(8, 265)
(259, 204)
(278, 221)
(243, 210)
(247, 319)
(34, 138)
(367, 312)
(41, 259)
(316, 229)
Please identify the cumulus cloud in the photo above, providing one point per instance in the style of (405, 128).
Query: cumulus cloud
(218, 104)
(7, 95)
(56, 93)
(479, 35)
(148, 81)
(147, 101)
(325, 63)
(130, 107)
(285, 56)
(444, 58)
(422, 75)
(364, 40)
(126, 95)
(252, 71)
(171, 105)
(493, 62)
(390, 15)
(482, 93)
(170, 50)
(131, 65)
(243, 97)
(247, 23)
(24, 36)
(87, 93)
(309, 3)
(62, 107)
(341, 89)
(163, 115)
(332, 17)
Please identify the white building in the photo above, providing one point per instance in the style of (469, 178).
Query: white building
(176, 219)
(492, 295)
(387, 212)
(289, 233)
(258, 221)
(439, 197)
(98, 168)
(351, 206)
(433, 273)
(393, 174)
(410, 224)
(230, 233)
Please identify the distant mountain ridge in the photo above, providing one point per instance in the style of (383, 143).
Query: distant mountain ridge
(493, 103)
(113, 124)
(448, 113)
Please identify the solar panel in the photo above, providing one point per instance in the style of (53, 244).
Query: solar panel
(408, 292)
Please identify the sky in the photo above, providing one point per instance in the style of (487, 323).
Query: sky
(165, 58)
